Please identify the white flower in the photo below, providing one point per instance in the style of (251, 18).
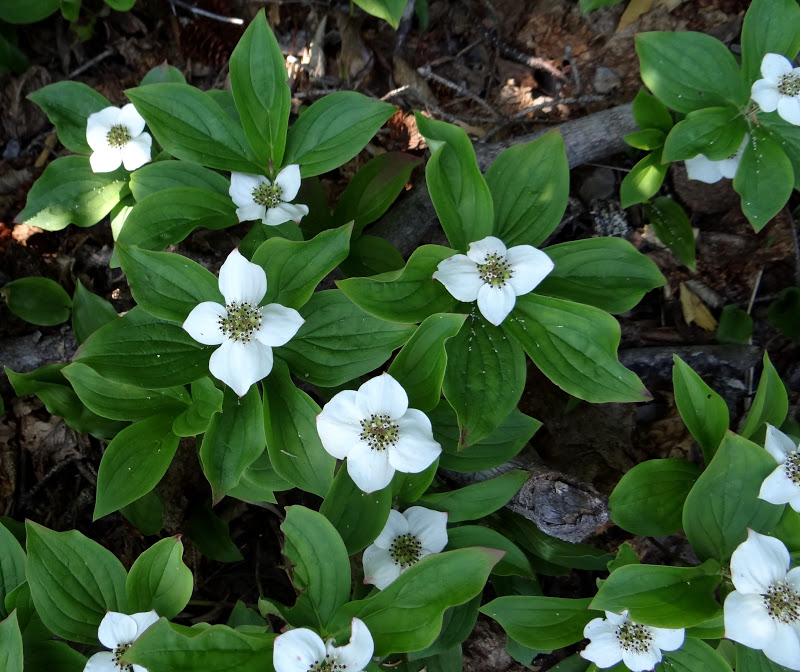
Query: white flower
(245, 333)
(705, 170)
(764, 610)
(780, 88)
(615, 638)
(493, 275)
(258, 198)
(117, 632)
(302, 650)
(116, 137)
(405, 540)
(782, 486)
(377, 432)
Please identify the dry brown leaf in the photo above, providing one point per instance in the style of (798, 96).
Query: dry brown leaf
(694, 310)
(633, 11)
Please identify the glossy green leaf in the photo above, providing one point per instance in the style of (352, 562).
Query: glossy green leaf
(735, 326)
(27, 11)
(10, 644)
(770, 404)
(89, 312)
(787, 136)
(54, 656)
(408, 488)
(479, 499)
(153, 177)
(160, 580)
(389, 10)
(146, 514)
(770, 27)
(694, 654)
(260, 481)
(163, 74)
(513, 563)
(671, 224)
(206, 400)
(650, 113)
(644, 180)
(37, 300)
(589, 5)
(12, 566)
(750, 660)
(647, 140)
(210, 535)
(370, 255)
(457, 624)
(715, 132)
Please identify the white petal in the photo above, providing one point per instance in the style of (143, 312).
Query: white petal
(777, 488)
(729, 166)
(668, 639)
(416, 448)
(597, 627)
(758, 563)
(138, 668)
(603, 650)
(243, 186)
(136, 152)
(765, 94)
(284, 212)
(129, 117)
(459, 275)
(101, 662)
(481, 248)
(774, 66)
(784, 647)
(778, 444)
(297, 650)
(98, 125)
(617, 619)
(338, 424)
(529, 267)
(105, 160)
(703, 169)
(251, 212)
(369, 469)
(279, 326)
(241, 280)
(747, 620)
(641, 662)
(495, 303)
(793, 578)
(240, 365)
(116, 629)
(794, 502)
(429, 527)
(789, 109)
(382, 395)
(396, 524)
(356, 655)
(379, 568)
(144, 619)
(289, 182)
(202, 324)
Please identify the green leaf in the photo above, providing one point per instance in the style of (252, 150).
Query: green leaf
(672, 226)
(513, 563)
(689, 71)
(119, 401)
(258, 81)
(407, 295)
(333, 130)
(649, 498)
(192, 127)
(339, 341)
(294, 269)
(529, 185)
(694, 654)
(10, 644)
(206, 400)
(153, 177)
(68, 192)
(575, 346)
(588, 5)
(784, 313)
(479, 499)
(407, 615)
(12, 566)
(625, 556)
(321, 567)
(233, 440)
(139, 349)
(370, 255)
(651, 113)
(765, 178)
(20, 601)
(457, 188)
(120, 5)
(643, 181)
(482, 363)
(209, 533)
(661, 596)
(146, 514)
(166, 217)
(420, 366)
(74, 581)
(291, 431)
(716, 132)
(649, 139)
(38, 301)
(89, 312)
(68, 106)
(27, 11)
(408, 488)
(703, 411)
(750, 660)
(770, 27)
(724, 501)
(390, 11)
(134, 463)
(159, 580)
(735, 326)
(787, 136)
(457, 623)
(770, 404)
(54, 656)
(163, 74)
(259, 482)
(607, 273)
(542, 623)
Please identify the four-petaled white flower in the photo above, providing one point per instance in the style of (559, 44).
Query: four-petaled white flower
(779, 89)
(705, 170)
(377, 432)
(302, 650)
(245, 332)
(782, 486)
(117, 632)
(616, 638)
(116, 136)
(764, 610)
(258, 198)
(405, 540)
(493, 275)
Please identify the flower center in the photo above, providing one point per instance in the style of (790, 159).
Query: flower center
(792, 467)
(379, 431)
(634, 637)
(495, 270)
(268, 195)
(117, 657)
(118, 136)
(789, 84)
(783, 603)
(328, 664)
(241, 321)
(405, 550)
